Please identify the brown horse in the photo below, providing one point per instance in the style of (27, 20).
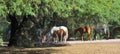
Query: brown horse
(59, 35)
(83, 29)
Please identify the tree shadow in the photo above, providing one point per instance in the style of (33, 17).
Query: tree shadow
(45, 49)
(6, 50)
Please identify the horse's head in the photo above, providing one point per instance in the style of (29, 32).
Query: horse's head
(43, 39)
(47, 38)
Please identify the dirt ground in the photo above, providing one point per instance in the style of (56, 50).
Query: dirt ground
(84, 48)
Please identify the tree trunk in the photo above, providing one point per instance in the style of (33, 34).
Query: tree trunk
(14, 26)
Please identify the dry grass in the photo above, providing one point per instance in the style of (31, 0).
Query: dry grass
(95, 48)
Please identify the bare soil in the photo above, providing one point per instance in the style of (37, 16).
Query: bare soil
(80, 48)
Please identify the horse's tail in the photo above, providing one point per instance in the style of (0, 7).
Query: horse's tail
(66, 36)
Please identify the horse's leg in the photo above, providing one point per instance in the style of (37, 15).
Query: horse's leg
(89, 34)
(108, 35)
(61, 37)
(95, 36)
(65, 37)
(89, 37)
(82, 36)
(56, 38)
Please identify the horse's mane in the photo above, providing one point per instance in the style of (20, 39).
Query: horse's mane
(76, 28)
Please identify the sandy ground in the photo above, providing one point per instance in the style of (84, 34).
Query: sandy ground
(96, 41)
(92, 47)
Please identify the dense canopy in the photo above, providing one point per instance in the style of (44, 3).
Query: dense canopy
(31, 15)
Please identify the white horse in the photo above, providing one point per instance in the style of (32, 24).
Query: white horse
(55, 28)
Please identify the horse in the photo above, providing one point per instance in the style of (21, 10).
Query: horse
(102, 28)
(115, 31)
(59, 34)
(45, 39)
(83, 29)
(55, 31)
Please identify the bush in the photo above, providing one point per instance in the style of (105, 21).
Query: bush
(1, 41)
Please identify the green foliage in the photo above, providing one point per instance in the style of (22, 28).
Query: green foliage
(27, 7)
(75, 12)
(102, 10)
(1, 41)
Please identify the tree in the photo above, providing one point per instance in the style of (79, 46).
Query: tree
(47, 13)
(14, 8)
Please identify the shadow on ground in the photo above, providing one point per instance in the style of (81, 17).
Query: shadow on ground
(44, 49)
(6, 50)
